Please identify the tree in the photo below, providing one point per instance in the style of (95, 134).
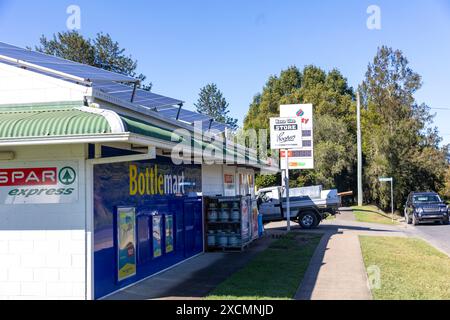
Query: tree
(445, 191)
(211, 102)
(334, 116)
(398, 139)
(101, 52)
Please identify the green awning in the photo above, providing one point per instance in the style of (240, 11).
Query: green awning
(143, 128)
(24, 122)
(72, 120)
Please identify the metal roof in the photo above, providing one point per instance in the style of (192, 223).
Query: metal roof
(20, 122)
(107, 82)
(61, 67)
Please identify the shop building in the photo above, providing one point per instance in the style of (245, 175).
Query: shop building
(91, 199)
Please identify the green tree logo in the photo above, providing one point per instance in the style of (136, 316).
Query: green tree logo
(67, 175)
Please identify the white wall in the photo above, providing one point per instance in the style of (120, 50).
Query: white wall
(213, 178)
(19, 86)
(43, 246)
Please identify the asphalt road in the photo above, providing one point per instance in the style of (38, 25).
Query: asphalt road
(437, 235)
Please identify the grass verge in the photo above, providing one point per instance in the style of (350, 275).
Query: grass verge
(273, 274)
(372, 214)
(410, 268)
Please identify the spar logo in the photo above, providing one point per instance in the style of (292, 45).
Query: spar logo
(37, 176)
(38, 182)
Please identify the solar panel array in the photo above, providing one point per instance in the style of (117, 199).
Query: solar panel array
(39, 59)
(106, 82)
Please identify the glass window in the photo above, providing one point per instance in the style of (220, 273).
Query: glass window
(427, 198)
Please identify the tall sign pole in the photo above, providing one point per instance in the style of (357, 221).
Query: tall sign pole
(391, 180)
(392, 199)
(293, 133)
(286, 134)
(288, 204)
(358, 116)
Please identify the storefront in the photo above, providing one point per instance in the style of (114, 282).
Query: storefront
(92, 199)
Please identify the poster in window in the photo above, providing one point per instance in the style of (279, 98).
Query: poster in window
(230, 188)
(169, 233)
(157, 245)
(126, 242)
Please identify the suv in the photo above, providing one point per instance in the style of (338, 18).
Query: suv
(425, 207)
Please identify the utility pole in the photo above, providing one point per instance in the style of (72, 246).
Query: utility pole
(358, 120)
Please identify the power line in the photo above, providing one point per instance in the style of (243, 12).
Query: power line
(441, 108)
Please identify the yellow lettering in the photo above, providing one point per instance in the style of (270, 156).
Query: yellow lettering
(133, 182)
(161, 184)
(147, 180)
(141, 184)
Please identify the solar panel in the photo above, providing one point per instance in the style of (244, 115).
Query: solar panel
(142, 97)
(41, 60)
(106, 82)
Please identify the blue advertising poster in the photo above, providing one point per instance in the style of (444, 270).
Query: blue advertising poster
(157, 239)
(169, 233)
(150, 186)
(126, 242)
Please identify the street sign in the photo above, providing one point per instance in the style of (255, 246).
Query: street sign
(285, 133)
(391, 180)
(303, 157)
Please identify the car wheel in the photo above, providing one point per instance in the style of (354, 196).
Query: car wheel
(445, 221)
(308, 220)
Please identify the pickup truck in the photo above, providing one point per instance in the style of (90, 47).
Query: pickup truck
(308, 206)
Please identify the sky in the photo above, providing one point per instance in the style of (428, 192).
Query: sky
(237, 44)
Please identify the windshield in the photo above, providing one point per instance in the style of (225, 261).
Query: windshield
(427, 198)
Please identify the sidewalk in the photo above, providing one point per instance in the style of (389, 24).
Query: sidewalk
(193, 279)
(337, 269)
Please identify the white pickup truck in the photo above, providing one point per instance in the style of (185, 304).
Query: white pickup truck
(308, 206)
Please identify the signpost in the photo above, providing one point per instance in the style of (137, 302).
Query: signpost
(285, 133)
(391, 180)
(292, 133)
(303, 156)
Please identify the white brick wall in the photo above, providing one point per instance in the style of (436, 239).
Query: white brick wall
(38, 269)
(42, 247)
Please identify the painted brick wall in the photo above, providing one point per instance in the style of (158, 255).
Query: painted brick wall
(42, 246)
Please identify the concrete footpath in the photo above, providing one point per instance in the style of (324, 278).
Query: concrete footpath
(193, 279)
(337, 268)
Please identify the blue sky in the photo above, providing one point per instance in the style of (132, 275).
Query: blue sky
(182, 45)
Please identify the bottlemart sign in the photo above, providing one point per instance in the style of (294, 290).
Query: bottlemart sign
(39, 183)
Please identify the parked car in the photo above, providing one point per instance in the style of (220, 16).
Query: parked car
(308, 206)
(425, 207)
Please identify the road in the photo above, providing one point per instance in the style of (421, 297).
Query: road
(437, 235)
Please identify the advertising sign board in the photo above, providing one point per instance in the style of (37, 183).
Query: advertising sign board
(302, 157)
(39, 183)
(285, 133)
(126, 240)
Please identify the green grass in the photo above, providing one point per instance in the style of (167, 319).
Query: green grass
(372, 214)
(274, 274)
(410, 268)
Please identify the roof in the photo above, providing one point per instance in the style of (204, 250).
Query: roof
(21, 122)
(106, 85)
(59, 123)
(60, 67)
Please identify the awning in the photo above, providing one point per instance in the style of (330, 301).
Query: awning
(63, 123)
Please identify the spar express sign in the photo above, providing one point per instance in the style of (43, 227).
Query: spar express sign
(53, 182)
